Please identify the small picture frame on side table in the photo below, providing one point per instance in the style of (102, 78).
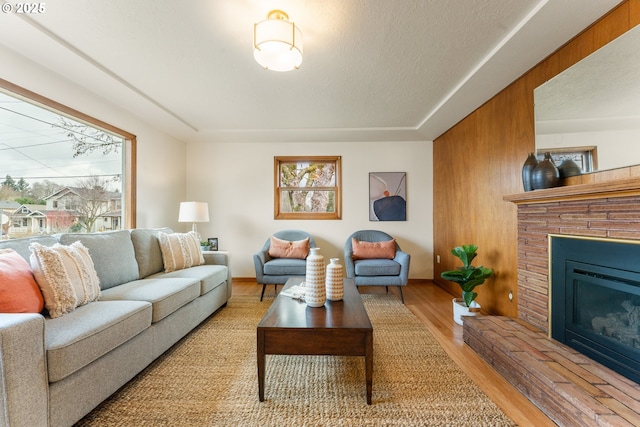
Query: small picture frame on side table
(213, 241)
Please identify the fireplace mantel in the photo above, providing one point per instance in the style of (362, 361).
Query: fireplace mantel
(597, 190)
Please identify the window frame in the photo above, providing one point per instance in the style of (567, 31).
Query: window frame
(277, 188)
(129, 149)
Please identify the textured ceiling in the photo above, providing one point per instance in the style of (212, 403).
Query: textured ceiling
(372, 69)
(602, 91)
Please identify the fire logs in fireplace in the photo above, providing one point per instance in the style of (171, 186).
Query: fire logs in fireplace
(622, 326)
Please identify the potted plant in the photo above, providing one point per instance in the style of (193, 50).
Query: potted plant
(468, 277)
(205, 245)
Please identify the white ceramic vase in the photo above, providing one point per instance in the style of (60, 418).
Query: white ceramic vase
(335, 282)
(315, 293)
(460, 309)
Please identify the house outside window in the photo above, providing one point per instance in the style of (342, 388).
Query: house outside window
(68, 149)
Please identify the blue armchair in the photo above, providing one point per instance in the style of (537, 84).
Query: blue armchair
(377, 271)
(276, 271)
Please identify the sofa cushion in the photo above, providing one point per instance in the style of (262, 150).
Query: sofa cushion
(210, 276)
(82, 336)
(285, 267)
(147, 250)
(22, 245)
(19, 292)
(279, 248)
(112, 253)
(166, 295)
(66, 276)
(180, 250)
(373, 250)
(377, 267)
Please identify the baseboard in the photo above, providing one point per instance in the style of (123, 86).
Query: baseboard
(244, 280)
(411, 281)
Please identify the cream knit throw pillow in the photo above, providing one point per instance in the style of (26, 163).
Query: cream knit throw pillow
(66, 276)
(180, 250)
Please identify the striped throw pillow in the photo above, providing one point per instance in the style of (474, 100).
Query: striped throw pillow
(180, 250)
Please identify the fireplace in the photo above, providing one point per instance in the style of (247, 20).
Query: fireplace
(595, 299)
(571, 387)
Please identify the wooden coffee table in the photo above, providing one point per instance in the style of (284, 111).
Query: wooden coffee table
(339, 328)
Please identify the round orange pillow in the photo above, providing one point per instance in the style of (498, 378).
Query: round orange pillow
(19, 292)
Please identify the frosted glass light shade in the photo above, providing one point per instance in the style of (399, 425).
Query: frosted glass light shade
(277, 43)
(193, 212)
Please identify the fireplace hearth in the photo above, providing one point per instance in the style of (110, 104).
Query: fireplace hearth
(571, 387)
(595, 300)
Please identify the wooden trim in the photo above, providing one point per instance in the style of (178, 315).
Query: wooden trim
(599, 190)
(129, 138)
(130, 184)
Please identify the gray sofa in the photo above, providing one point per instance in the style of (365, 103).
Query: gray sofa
(55, 371)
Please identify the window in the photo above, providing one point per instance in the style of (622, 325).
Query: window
(54, 155)
(585, 157)
(307, 187)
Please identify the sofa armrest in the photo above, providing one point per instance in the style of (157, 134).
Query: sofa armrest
(220, 258)
(24, 385)
(216, 257)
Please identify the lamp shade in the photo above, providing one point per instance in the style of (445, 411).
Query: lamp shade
(277, 43)
(193, 212)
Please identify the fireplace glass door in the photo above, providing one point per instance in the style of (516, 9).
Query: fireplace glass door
(603, 315)
(596, 302)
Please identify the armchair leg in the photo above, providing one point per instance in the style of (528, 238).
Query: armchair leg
(264, 286)
(401, 296)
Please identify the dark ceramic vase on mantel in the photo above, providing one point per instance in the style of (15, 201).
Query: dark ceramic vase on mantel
(569, 168)
(545, 174)
(527, 169)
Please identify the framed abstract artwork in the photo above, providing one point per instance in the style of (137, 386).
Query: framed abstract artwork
(387, 196)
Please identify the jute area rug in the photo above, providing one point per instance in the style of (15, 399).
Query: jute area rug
(210, 379)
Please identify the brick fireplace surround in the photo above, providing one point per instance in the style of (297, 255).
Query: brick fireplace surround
(568, 386)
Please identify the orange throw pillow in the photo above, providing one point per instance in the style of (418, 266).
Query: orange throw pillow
(19, 292)
(373, 250)
(279, 248)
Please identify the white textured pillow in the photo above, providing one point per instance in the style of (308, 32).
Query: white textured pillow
(180, 250)
(66, 276)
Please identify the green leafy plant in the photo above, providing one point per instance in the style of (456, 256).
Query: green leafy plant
(467, 276)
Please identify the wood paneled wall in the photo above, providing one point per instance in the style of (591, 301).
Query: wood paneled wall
(479, 160)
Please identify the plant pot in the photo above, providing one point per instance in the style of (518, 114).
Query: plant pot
(460, 309)
(205, 248)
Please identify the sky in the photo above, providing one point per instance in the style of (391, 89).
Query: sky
(34, 146)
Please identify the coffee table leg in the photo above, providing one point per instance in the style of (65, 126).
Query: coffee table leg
(368, 361)
(261, 367)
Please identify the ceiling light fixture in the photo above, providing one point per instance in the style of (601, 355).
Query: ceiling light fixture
(277, 43)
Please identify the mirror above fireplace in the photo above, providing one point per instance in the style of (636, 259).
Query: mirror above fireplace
(594, 106)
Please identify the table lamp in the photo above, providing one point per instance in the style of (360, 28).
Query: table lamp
(194, 212)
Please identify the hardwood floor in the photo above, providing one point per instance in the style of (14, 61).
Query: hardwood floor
(432, 305)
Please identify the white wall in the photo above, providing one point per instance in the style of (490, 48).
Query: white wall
(236, 179)
(161, 158)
